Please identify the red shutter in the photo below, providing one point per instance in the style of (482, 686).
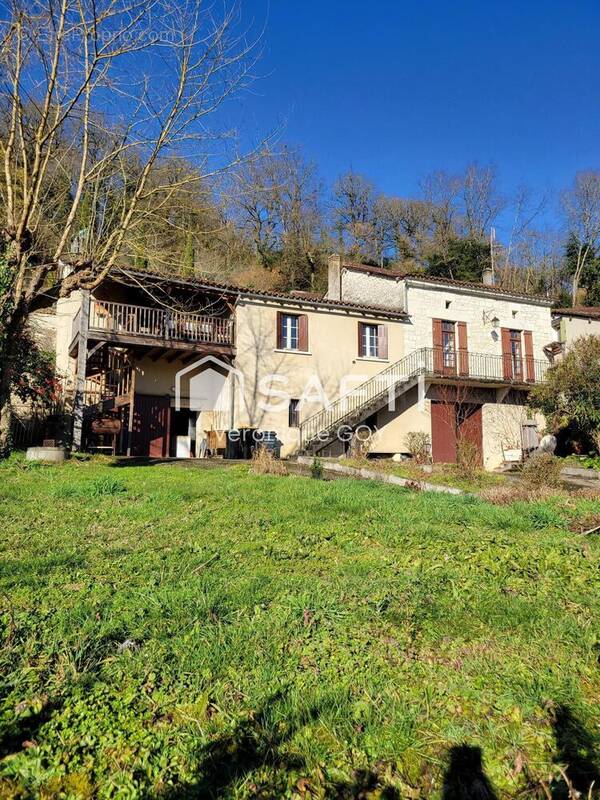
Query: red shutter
(506, 355)
(529, 365)
(438, 356)
(361, 340)
(382, 341)
(463, 351)
(303, 332)
(279, 330)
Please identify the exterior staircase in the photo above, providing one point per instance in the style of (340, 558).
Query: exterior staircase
(321, 429)
(108, 390)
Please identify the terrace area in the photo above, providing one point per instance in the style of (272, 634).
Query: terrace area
(128, 324)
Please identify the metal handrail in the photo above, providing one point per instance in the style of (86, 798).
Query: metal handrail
(158, 323)
(429, 362)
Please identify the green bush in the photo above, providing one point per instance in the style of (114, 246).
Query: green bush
(316, 469)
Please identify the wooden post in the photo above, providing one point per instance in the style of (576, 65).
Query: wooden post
(82, 355)
(131, 407)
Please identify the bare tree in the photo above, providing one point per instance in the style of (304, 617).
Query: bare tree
(464, 204)
(403, 226)
(354, 196)
(581, 207)
(99, 93)
(441, 192)
(277, 204)
(480, 199)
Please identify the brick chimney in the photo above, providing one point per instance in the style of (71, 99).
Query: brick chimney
(334, 277)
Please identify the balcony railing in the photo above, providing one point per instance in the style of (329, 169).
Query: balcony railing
(429, 362)
(158, 323)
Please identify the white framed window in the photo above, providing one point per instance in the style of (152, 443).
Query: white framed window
(289, 331)
(370, 341)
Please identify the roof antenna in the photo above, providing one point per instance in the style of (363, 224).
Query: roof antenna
(492, 245)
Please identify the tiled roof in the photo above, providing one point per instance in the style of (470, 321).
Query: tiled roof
(294, 297)
(421, 276)
(387, 273)
(579, 311)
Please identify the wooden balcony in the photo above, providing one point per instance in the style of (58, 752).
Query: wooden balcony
(123, 323)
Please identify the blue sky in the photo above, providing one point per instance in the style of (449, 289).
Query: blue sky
(397, 89)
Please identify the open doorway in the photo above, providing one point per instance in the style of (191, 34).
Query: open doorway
(183, 433)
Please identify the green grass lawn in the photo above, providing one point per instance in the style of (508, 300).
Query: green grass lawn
(179, 633)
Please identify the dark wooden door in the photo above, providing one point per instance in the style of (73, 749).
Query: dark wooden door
(443, 432)
(151, 421)
(470, 427)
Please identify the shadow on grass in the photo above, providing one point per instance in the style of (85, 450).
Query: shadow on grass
(186, 463)
(256, 744)
(464, 778)
(575, 750)
(24, 729)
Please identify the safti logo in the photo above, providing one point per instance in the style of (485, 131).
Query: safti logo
(208, 384)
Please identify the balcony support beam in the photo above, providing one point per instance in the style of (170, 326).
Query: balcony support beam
(82, 356)
(164, 344)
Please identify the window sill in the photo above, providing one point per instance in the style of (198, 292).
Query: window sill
(293, 352)
(372, 358)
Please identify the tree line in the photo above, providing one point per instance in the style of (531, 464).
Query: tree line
(271, 222)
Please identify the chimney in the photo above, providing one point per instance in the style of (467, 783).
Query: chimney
(487, 277)
(334, 277)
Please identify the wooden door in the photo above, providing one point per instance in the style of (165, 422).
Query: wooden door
(151, 422)
(470, 427)
(443, 432)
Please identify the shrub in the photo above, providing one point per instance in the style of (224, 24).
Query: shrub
(316, 469)
(468, 459)
(264, 463)
(505, 495)
(596, 440)
(570, 394)
(418, 445)
(360, 444)
(542, 469)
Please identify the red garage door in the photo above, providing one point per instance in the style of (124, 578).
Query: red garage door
(470, 427)
(443, 432)
(451, 423)
(151, 419)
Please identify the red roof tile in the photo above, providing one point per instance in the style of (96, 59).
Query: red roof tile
(579, 311)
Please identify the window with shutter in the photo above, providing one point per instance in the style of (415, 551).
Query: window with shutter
(517, 355)
(444, 346)
(371, 339)
(463, 350)
(292, 331)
